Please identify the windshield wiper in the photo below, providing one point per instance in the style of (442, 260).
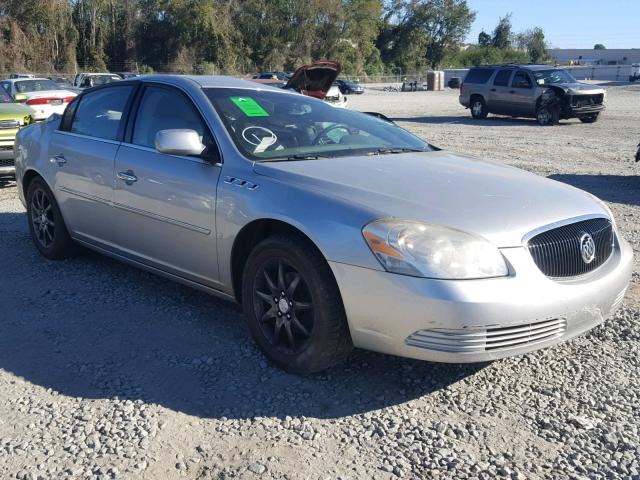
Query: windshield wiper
(386, 151)
(297, 156)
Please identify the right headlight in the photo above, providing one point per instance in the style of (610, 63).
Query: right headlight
(422, 249)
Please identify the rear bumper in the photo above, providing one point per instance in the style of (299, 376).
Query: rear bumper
(394, 314)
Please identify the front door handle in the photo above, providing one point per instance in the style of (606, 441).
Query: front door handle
(128, 177)
(59, 159)
(512, 91)
(493, 89)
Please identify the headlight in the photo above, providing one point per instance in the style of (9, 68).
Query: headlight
(426, 250)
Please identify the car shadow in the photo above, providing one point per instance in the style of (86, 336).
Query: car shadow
(7, 181)
(92, 327)
(623, 189)
(492, 121)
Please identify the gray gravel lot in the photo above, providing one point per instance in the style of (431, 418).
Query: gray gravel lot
(109, 372)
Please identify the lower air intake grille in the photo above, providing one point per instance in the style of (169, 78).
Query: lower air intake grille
(558, 253)
(7, 162)
(488, 339)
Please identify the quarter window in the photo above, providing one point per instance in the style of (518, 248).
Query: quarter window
(99, 113)
(502, 78)
(166, 109)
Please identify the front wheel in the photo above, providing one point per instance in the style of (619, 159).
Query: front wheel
(547, 115)
(590, 118)
(293, 306)
(48, 230)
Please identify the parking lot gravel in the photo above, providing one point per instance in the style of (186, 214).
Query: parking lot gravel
(108, 372)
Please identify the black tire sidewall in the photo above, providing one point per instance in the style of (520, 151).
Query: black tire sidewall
(62, 245)
(554, 114)
(328, 307)
(483, 113)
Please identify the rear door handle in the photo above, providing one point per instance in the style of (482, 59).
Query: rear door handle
(493, 89)
(59, 159)
(512, 91)
(128, 177)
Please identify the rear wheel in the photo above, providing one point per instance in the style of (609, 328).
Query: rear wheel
(293, 306)
(590, 118)
(47, 228)
(478, 108)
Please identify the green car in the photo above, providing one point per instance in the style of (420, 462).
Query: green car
(13, 116)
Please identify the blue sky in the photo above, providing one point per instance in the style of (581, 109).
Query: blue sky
(566, 23)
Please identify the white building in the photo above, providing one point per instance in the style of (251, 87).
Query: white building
(587, 56)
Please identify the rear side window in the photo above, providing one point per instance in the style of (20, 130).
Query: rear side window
(479, 75)
(99, 113)
(502, 78)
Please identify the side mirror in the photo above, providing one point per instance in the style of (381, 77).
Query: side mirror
(20, 98)
(179, 142)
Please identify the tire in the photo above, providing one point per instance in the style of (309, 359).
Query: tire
(46, 225)
(305, 330)
(478, 108)
(547, 115)
(590, 118)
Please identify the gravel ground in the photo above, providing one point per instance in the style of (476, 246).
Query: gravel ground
(109, 372)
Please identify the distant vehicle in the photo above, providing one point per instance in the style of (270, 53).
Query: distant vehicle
(332, 228)
(127, 75)
(44, 96)
(272, 76)
(545, 93)
(347, 87)
(13, 116)
(88, 80)
(318, 80)
(62, 82)
(638, 154)
(22, 75)
(635, 72)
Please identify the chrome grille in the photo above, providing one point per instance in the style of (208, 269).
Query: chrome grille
(478, 340)
(7, 162)
(557, 252)
(587, 100)
(9, 123)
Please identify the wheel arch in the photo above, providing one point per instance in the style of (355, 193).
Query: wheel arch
(251, 235)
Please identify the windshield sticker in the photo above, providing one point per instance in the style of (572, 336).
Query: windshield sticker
(249, 107)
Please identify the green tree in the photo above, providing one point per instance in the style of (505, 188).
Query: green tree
(599, 46)
(502, 33)
(484, 39)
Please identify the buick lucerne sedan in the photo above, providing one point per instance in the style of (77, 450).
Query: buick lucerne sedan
(334, 229)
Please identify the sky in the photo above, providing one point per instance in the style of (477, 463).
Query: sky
(566, 23)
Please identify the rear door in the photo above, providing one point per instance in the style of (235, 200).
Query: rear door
(165, 203)
(522, 94)
(83, 152)
(499, 92)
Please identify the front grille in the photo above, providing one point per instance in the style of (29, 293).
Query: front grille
(558, 253)
(9, 123)
(587, 100)
(495, 339)
(7, 162)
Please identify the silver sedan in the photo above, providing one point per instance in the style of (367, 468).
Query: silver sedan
(334, 229)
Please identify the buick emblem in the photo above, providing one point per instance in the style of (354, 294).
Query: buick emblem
(587, 248)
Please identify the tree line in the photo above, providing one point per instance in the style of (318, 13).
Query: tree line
(242, 36)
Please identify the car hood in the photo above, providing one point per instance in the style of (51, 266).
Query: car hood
(315, 79)
(496, 201)
(580, 88)
(12, 111)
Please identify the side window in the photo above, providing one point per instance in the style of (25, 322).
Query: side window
(166, 109)
(479, 75)
(502, 78)
(99, 113)
(6, 86)
(521, 80)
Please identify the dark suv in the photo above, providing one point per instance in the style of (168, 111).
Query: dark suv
(543, 92)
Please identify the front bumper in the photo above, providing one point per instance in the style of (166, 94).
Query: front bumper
(388, 312)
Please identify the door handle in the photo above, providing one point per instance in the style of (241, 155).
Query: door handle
(128, 177)
(59, 159)
(512, 91)
(493, 89)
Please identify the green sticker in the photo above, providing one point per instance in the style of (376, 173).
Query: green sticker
(249, 107)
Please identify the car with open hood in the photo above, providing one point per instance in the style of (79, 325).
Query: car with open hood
(318, 80)
(332, 228)
(43, 95)
(543, 92)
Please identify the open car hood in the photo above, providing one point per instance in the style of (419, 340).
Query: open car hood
(315, 79)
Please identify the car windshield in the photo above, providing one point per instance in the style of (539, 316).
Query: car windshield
(24, 86)
(268, 125)
(104, 79)
(545, 77)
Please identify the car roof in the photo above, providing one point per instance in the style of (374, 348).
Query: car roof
(527, 66)
(203, 81)
(14, 80)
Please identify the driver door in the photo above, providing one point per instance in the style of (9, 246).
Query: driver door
(165, 204)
